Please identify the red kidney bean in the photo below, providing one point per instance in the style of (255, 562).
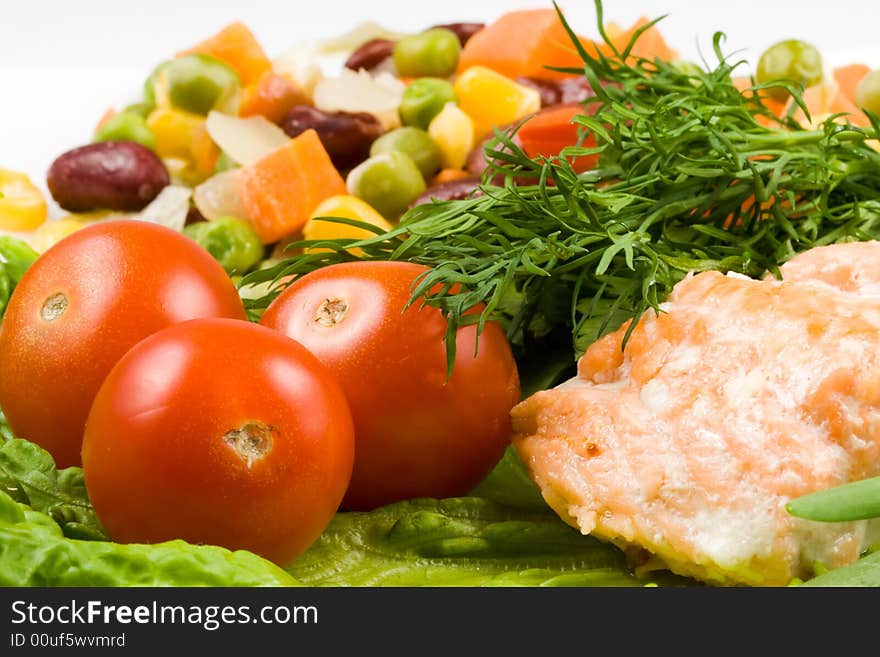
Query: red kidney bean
(347, 137)
(574, 89)
(370, 54)
(546, 87)
(464, 31)
(476, 160)
(193, 216)
(452, 190)
(110, 175)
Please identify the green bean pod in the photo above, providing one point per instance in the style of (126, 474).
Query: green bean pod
(859, 500)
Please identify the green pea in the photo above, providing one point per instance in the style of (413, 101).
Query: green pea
(389, 182)
(141, 109)
(792, 61)
(127, 126)
(413, 142)
(232, 242)
(200, 83)
(433, 52)
(868, 92)
(150, 84)
(423, 99)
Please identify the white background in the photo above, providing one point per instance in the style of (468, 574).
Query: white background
(62, 62)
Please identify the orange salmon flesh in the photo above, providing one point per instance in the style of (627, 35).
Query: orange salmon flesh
(739, 396)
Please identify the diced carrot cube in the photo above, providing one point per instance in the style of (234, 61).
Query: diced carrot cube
(237, 46)
(775, 105)
(527, 42)
(522, 43)
(649, 45)
(551, 130)
(271, 96)
(205, 152)
(849, 77)
(448, 175)
(827, 98)
(280, 191)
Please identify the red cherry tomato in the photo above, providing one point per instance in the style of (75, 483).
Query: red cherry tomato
(81, 306)
(219, 431)
(416, 434)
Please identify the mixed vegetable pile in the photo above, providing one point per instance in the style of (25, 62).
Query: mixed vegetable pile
(442, 227)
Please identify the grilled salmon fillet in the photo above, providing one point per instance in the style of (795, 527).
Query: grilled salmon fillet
(741, 395)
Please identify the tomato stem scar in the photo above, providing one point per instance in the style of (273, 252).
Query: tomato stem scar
(331, 311)
(251, 441)
(54, 307)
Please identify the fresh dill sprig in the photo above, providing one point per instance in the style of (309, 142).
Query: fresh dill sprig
(694, 174)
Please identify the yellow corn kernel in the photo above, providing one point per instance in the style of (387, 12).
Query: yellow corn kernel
(22, 204)
(347, 207)
(492, 99)
(52, 232)
(453, 131)
(160, 89)
(174, 131)
(182, 135)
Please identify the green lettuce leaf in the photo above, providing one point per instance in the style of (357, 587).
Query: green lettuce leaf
(34, 552)
(29, 476)
(864, 572)
(466, 541)
(509, 484)
(550, 368)
(15, 257)
(5, 431)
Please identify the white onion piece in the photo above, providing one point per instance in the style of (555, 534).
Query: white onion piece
(169, 208)
(361, 92)
(218, 196)
(300, 65)
(390, 82)
(356, 37)
(385, 67)
(245, 140)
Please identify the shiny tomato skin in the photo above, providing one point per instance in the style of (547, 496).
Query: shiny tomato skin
(416, 434)
(160, 457)
(113, 283)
